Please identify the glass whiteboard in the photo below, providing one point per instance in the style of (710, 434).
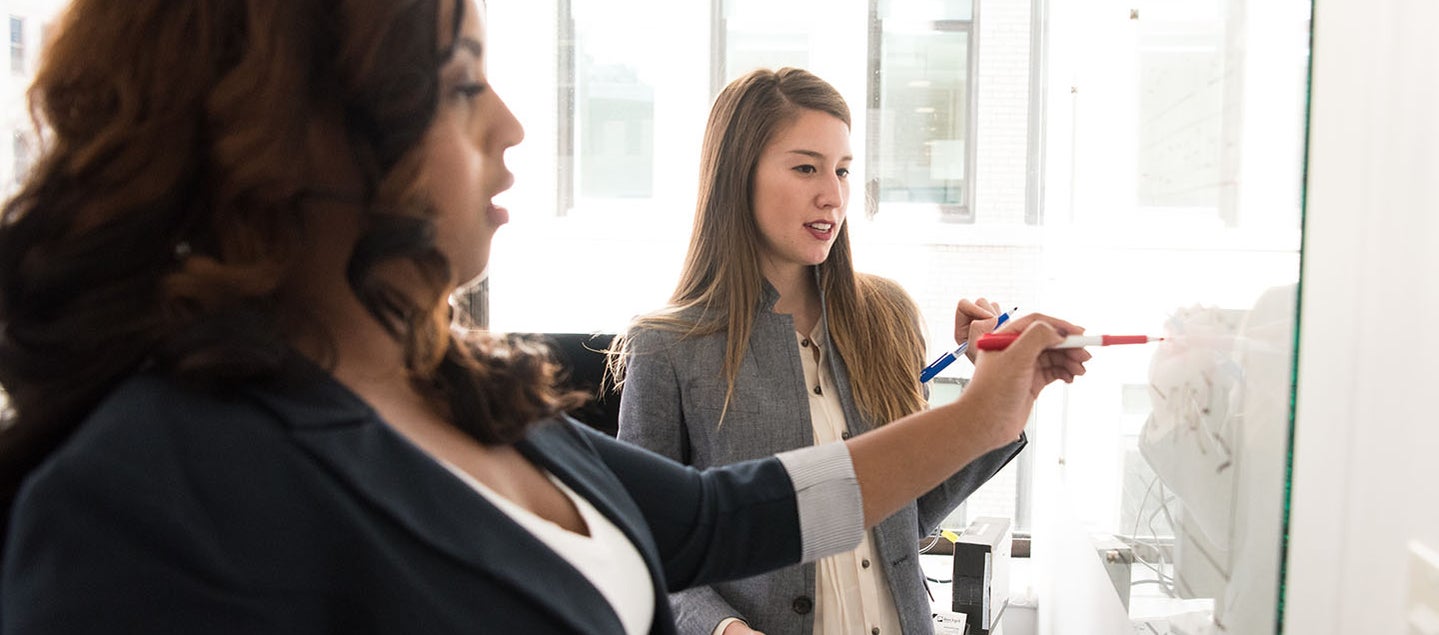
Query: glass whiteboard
(1176, 152)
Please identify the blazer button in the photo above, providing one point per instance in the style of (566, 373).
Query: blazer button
(804, 342)
(844, 435)
(817, 391)
(802, 605)
(864, 563)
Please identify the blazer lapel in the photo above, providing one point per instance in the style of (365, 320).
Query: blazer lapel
(558, 447)
(550, 446)
(348, 438)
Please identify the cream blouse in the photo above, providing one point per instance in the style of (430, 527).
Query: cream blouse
(851, 592)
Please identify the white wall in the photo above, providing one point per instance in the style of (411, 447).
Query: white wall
(1367, 434)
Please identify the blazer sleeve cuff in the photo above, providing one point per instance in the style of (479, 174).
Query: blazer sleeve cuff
(831, 513)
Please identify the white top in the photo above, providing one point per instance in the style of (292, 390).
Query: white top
(851, 592)
(606, 557)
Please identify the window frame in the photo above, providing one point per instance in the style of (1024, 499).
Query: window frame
(874, 108)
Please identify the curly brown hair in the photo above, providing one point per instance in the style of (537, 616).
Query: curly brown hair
(164, 214)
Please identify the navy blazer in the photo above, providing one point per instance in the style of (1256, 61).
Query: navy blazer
(298, 510)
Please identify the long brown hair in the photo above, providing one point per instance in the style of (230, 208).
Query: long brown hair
(870, 318)
(158, 225)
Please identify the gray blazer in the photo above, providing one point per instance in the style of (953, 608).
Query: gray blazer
(673, 393)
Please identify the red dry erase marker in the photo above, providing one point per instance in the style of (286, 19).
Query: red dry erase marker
(999, 341)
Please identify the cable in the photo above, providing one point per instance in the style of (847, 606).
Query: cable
(933, 540)
(1164, 580)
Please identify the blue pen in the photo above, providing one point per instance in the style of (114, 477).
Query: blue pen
(948, 358)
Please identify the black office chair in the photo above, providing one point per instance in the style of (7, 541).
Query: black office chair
(582, 356)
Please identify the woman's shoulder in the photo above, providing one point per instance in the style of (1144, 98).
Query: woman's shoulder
(151, 432)
(886, 291)
(667, 328)
(872, 283)
(153, 398)
(649, 338)
(148, 412)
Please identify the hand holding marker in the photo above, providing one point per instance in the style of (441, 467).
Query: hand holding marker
(1000, 341)
(948, 358)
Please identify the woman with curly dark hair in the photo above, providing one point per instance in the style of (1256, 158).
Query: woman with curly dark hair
(237, 399)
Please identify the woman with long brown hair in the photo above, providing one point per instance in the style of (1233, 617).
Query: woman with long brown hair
(772, 342)
(237, 400)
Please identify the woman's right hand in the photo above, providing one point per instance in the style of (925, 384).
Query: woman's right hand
(899, 462)
(1006, 382)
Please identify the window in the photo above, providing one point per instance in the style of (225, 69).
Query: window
(1181, 91)
(956, 208)
(17, 45)
(609, 115)
(759, 33)
(621, 121)
(920, 75)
